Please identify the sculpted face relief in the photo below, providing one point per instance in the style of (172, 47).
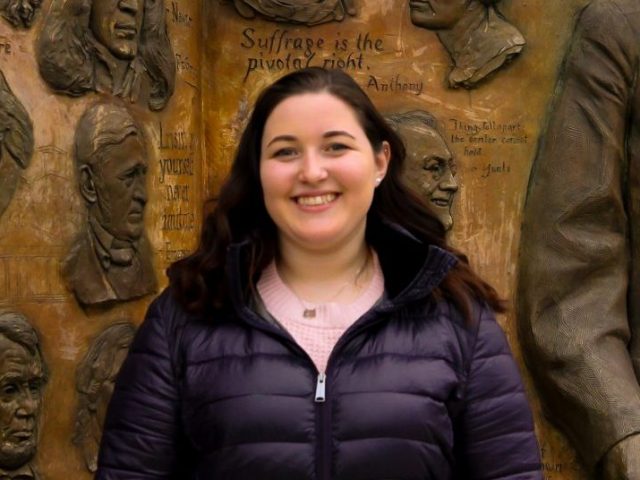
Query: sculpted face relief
(116, 24)
(431, 170)
(121, 192)
(318, 171)
(21, 380)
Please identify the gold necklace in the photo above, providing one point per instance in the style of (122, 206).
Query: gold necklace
(310, 312)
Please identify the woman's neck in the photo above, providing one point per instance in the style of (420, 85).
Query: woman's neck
(325, 276)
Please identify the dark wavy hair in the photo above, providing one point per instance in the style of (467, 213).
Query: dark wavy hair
(200, 281)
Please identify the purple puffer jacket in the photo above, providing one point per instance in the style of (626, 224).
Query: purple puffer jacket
(412, 392)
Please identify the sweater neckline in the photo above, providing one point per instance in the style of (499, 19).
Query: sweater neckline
(283, 304)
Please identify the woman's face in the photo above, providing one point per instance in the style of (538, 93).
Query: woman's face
(318, 172)
(437, 14)
(430, 170)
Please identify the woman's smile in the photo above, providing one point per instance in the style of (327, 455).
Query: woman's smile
(315, 200)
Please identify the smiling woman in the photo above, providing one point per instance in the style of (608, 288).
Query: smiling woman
(323, 329)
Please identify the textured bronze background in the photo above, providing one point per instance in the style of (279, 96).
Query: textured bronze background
(222, 60)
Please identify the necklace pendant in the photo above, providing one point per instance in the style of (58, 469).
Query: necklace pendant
(309, 313)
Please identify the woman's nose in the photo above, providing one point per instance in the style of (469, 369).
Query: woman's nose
(312, 168)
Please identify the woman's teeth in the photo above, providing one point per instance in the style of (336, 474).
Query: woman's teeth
(317, 200)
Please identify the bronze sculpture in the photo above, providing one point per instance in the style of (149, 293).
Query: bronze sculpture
(95, 379)
(120, 47)
(430, 168)
(474, 32)
(16, 142)
(306, 12)
(579, 274)
(111, 259)
(22, 379)
(19, 13)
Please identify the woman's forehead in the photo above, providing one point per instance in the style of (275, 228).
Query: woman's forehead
(310, 112)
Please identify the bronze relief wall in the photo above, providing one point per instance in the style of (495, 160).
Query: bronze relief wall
(100, 190)
(119, 117)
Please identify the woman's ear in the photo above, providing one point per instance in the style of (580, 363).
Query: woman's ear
(382, 158)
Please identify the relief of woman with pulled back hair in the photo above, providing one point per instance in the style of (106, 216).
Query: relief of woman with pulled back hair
(110, 46)
(474, 32)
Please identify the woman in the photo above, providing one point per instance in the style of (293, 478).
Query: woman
(323, 329)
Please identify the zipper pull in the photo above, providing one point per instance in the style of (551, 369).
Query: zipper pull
(320, 387)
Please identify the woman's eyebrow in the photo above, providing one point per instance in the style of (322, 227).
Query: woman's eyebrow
(336, 133)
(284, 138)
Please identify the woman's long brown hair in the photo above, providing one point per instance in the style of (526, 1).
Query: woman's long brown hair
(200, 281)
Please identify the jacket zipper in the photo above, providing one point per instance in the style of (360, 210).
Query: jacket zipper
(321, 387)
(324, 447)
(323, 429)
(322, 391)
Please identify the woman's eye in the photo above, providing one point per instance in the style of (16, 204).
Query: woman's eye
(337, 147)
(284, 152)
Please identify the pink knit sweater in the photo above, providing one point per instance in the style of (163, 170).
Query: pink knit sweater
(318, 335)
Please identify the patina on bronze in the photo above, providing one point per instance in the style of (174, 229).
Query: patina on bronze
(119, 47)
(430, 168)
(477, 36)
(111, 259)
(22, 379)
(16, 142)
(19, 13)
(95, 379)
(579, 274)
(306, 12)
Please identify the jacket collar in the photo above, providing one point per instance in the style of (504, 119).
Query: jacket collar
(412, 269)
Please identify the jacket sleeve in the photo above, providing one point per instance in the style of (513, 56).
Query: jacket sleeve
(495, 432)
(574, 257)
(141, 435)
